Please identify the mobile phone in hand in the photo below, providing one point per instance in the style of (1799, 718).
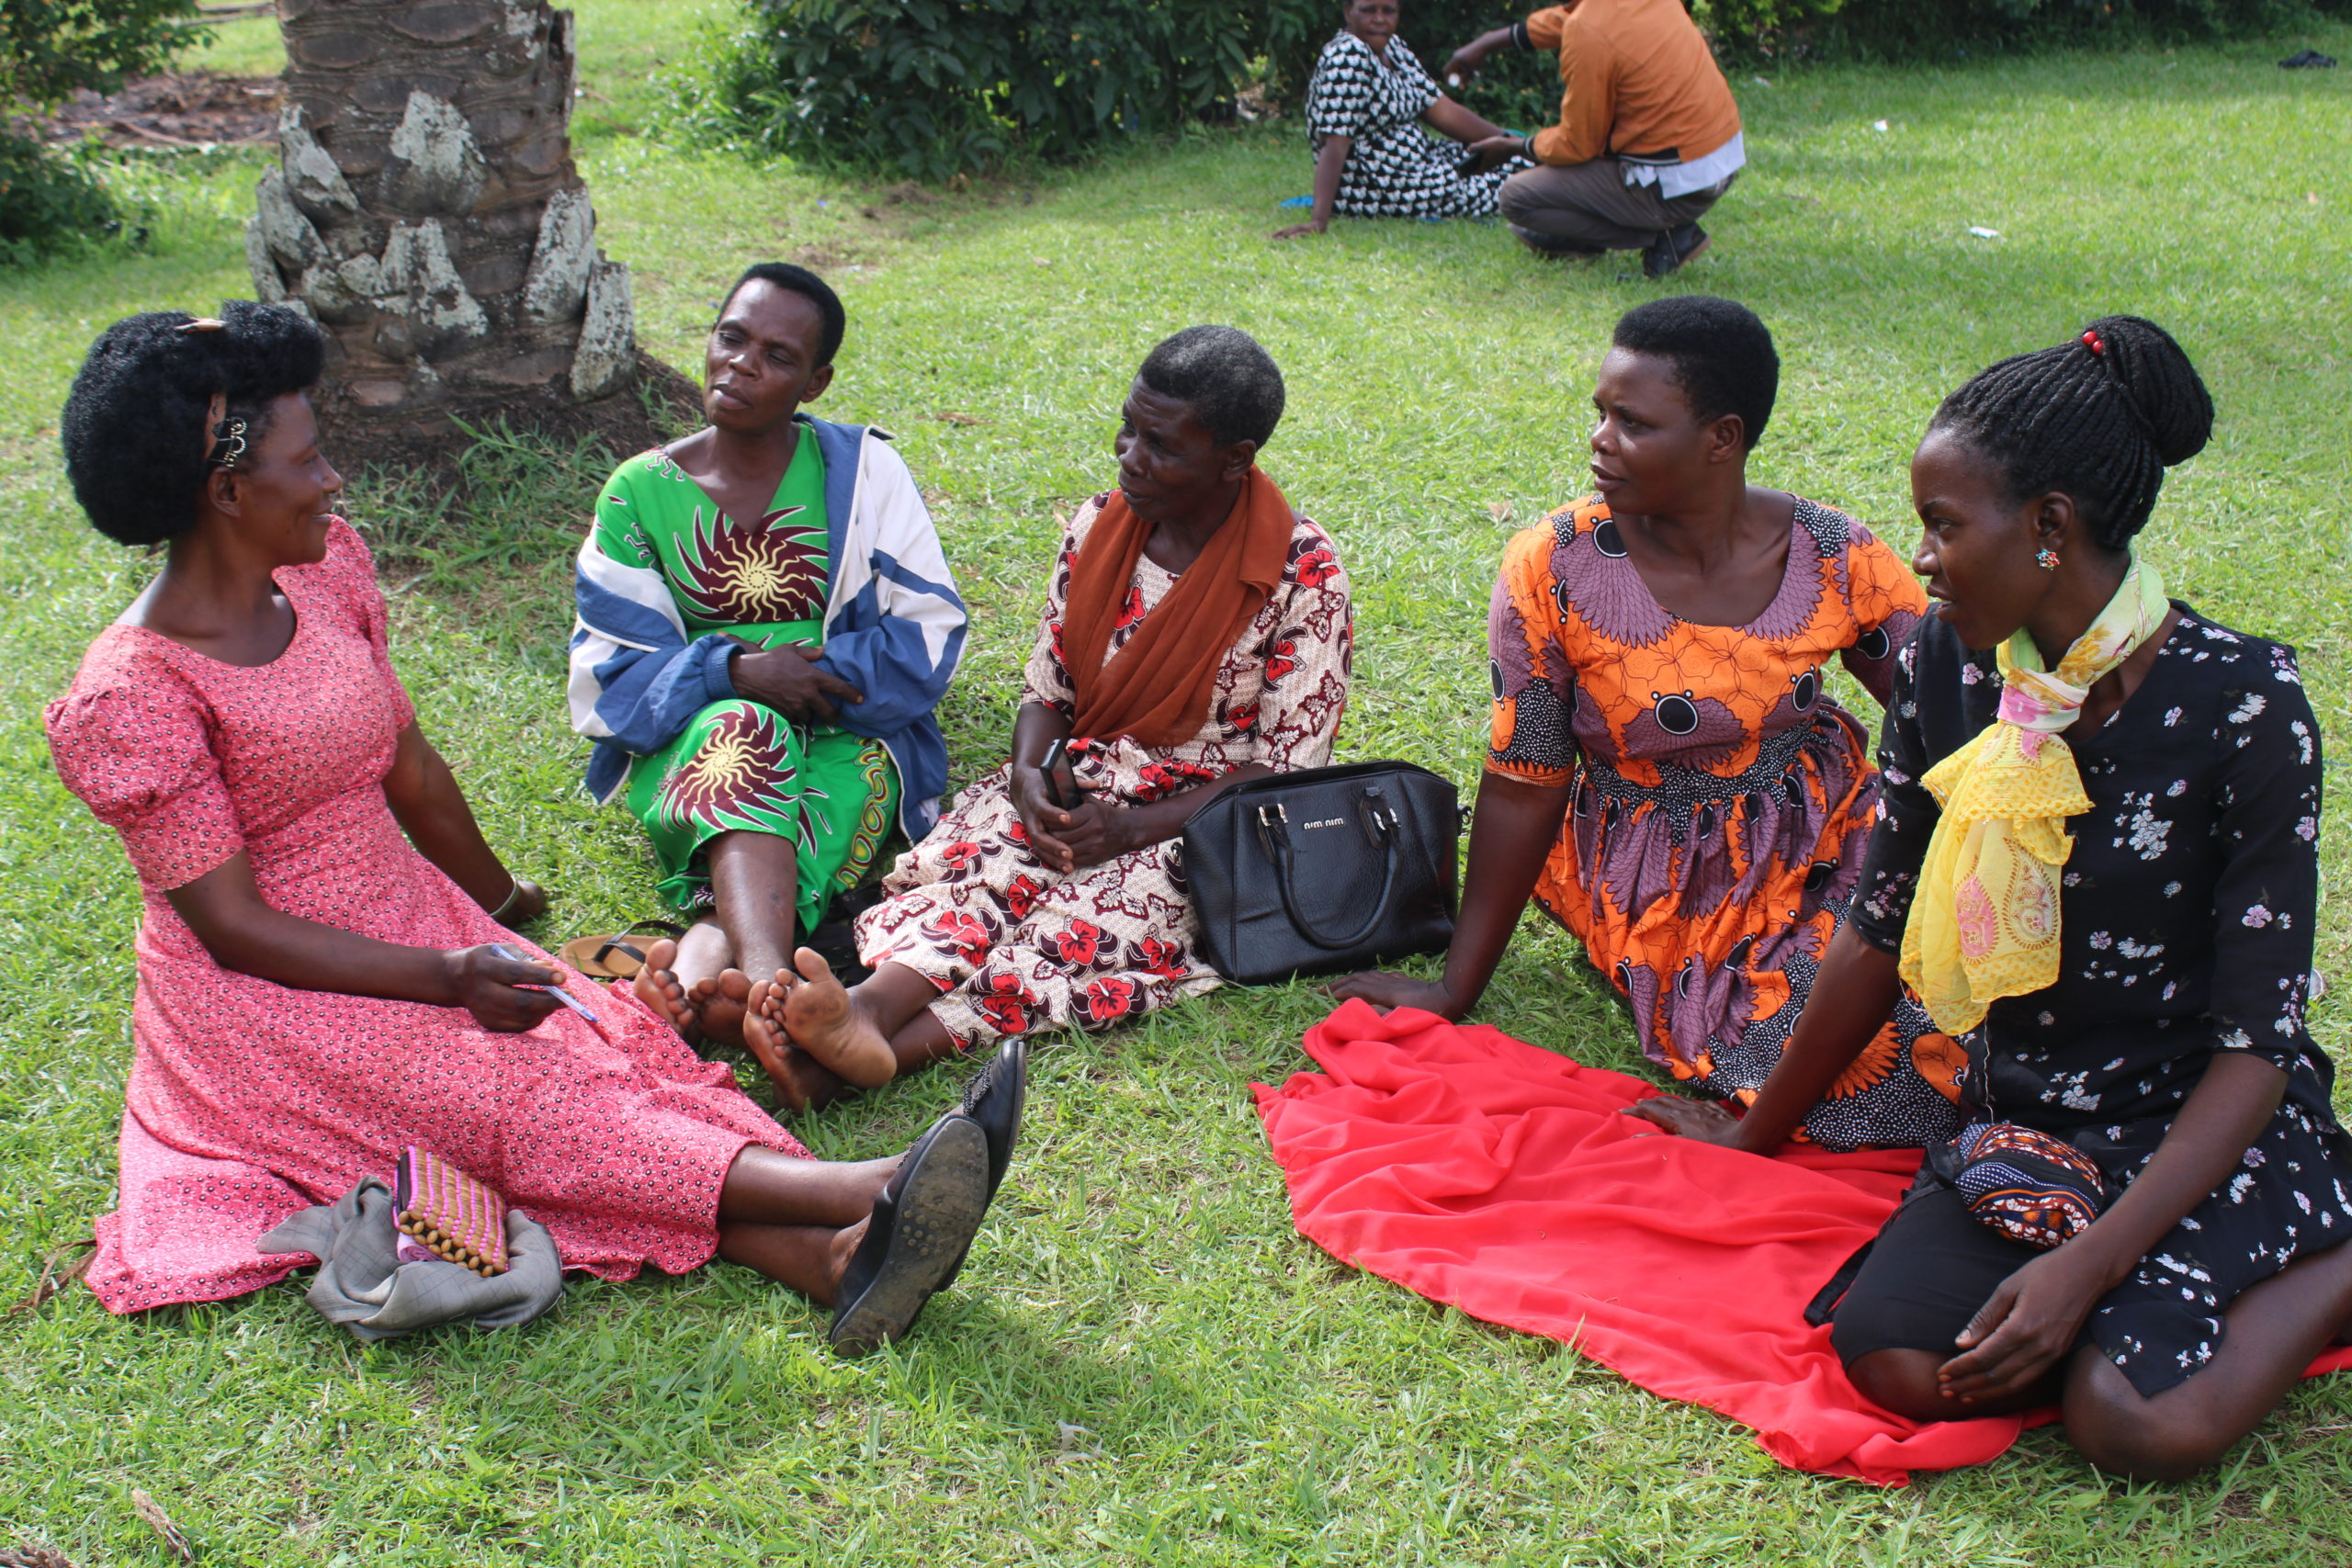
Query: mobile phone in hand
(1061, 779)
(508, 950)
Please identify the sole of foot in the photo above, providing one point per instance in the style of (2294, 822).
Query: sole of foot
(720, 1002)
(917, 1237)
(817, 1013)
(657, 986)
(802, 1083)
(995, 1099)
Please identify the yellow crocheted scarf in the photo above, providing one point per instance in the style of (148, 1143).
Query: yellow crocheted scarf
(1984, 920)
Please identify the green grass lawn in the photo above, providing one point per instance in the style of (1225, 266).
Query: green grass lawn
(1144, 1363)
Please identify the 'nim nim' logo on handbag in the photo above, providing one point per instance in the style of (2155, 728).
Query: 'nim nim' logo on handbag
(1328, 822)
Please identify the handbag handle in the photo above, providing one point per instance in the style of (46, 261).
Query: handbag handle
(1274, 832)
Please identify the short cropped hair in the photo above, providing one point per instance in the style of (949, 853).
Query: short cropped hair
(1723, 355)
(136, 446)
(1231, 383)
(833, 320)
(2100, 418)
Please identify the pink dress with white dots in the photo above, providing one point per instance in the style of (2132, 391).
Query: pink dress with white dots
(248, 1101)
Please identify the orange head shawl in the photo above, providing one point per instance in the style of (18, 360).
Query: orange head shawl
(1156, 689)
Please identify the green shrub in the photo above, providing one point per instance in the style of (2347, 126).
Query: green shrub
(933, 89)
(1909, 28)
(49, 50)
(49, 201)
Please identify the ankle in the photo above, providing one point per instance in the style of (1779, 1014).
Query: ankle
(760, 961)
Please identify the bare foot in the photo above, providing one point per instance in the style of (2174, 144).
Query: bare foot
(803, 1083)
(657, 986)
(720, 1000)
(817, 1012)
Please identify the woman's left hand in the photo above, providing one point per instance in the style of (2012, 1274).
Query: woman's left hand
(1701, 1121)
(1493, 152)
(1094, 831)
(1296, 230)
(2028, 1325)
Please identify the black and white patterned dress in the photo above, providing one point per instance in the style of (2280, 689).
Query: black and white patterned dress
(1395, 168)
(2187, 914)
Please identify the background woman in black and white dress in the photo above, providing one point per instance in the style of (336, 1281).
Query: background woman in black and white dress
(1366, 108)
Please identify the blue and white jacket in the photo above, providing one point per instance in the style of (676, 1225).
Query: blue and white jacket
(893, 629)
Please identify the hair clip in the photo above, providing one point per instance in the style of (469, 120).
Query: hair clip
(229, 442)
(224, 438)
(203, 324)
(2092, 340)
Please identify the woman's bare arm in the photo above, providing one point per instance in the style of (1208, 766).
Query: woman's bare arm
(244, 934)
(1511, 835)
(1452, 119)
(431, 809)
(1327, 165)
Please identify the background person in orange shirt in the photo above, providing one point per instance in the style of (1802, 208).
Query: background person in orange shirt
(1648, 134)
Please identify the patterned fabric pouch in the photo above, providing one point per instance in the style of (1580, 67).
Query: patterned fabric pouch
(442, 1212)
(2026, 1184)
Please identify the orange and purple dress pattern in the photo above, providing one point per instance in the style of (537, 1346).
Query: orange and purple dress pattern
(1720, 800)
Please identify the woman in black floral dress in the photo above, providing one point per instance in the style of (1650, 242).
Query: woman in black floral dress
(1365, 106)
(2169, 1052)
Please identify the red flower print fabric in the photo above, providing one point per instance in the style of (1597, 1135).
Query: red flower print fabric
(1114, 941)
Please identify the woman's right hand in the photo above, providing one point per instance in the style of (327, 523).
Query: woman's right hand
(1386, 991)
(1309, 226)
(788, 680)
(490, 985)
(1038, 816)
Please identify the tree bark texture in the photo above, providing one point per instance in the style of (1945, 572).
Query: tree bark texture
(426, 212)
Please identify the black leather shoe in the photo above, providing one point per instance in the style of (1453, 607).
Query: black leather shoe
(1671, 249)
(923, 1223)
(994, 1098)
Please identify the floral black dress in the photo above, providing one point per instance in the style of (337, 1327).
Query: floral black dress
(2188, 910)
(1394, 169)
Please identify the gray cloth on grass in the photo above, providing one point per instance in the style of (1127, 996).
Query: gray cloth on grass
(364, 1286)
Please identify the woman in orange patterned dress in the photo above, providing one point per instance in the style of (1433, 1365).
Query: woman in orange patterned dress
(1668, 777)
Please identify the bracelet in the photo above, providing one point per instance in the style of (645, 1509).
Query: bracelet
(1527, 148)
(514, 891)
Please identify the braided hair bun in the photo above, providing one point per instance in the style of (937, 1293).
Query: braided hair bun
(2100, 419)
(133, 429)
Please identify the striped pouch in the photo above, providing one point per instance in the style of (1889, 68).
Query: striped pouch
(443, 1213)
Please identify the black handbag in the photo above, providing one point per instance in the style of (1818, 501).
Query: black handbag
(1324, 871)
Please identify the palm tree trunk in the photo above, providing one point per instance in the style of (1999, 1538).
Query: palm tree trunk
(425, 210)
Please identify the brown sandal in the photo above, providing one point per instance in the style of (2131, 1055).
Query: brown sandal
(618, 957)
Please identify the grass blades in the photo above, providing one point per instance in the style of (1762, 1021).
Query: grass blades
(1143, 1363)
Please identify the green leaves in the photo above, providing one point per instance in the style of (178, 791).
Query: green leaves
(52, 49)
(934, 91)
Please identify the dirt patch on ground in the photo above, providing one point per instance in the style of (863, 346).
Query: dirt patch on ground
(193, 108)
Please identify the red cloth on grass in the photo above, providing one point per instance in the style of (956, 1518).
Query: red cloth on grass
(1498, 1178)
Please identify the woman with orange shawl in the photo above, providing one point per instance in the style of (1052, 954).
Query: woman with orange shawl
(1197, 634)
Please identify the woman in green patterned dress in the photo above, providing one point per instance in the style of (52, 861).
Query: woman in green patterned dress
(765, 624)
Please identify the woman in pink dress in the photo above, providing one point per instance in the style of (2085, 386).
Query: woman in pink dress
(319, 983)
